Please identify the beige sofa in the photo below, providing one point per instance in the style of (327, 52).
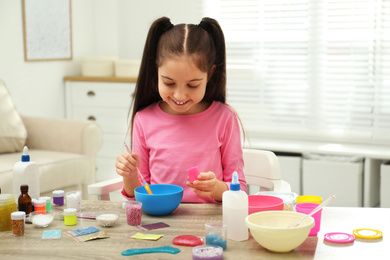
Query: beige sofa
(65, 150)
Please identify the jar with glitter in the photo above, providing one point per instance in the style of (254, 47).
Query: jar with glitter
(7, 206)
(133, 212)
(73, 200)
(58, 197)
(207, 252)
(70, 216)
(18, 218)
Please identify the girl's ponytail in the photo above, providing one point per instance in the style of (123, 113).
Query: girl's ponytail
(217, 83)
(147, 82)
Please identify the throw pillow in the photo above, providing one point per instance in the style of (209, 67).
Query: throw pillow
(13, 133)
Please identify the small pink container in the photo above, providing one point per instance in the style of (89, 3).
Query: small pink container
(306, 208)
(258, 203)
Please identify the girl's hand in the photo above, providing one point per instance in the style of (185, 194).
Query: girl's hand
(208, 185)
(126, 164)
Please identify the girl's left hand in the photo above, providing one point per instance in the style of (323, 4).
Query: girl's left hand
(206, 185)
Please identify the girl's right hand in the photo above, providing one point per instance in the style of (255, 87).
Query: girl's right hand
(126, 164)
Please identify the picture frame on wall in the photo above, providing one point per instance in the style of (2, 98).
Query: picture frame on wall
(47, 29)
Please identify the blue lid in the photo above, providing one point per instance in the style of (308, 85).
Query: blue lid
(235, 185)
(25, 156)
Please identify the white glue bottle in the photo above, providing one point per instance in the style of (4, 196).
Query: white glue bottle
(235, 210)
(26, 172)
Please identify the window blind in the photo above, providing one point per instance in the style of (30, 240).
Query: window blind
(308, 69)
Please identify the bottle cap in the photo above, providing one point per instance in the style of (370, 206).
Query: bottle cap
(339, 237)
(235, 185)
(70, 212)
(16, 215)
(58, 193)
(367, 233)
(39, 203)
(6, 199)
(25, 156)
(47, 199)
(24, 188)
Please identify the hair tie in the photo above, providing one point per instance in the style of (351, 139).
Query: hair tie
(169, 26)
(202, 25)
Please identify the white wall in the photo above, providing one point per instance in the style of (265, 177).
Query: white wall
(99, 27)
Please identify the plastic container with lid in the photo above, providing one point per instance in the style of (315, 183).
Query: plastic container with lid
(7, 206)
(40, 206)
(58, 197)
(289, 198)
(70, 216)
(18, 218)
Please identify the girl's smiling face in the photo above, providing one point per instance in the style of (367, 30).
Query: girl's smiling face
(181, 86)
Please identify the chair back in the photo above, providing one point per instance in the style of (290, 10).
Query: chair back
(262, 169)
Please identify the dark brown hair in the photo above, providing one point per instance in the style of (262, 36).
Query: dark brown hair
(205, 43)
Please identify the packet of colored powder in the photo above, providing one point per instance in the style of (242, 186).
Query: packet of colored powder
(153, 226)
(141, 236)
(82, 231)
(92, 236)
(51, 234)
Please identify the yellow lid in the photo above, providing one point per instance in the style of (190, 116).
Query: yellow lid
(367, 233)
(309, 199)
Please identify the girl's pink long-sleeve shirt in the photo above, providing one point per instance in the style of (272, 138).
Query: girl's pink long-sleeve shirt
(168, 145)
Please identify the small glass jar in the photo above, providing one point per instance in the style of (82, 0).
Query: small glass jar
(216, 234)
(7, 206)
(58, 197)
(70, 216)
(18, 218)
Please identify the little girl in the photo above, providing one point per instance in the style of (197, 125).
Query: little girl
(180, 118)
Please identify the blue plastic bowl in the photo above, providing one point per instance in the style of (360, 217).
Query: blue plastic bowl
(164, 200)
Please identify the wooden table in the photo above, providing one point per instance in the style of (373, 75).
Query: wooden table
(190, 219)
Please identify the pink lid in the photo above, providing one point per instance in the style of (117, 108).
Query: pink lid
(338, 237)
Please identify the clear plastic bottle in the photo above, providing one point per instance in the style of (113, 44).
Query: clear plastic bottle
(26, 172)
(235, 210)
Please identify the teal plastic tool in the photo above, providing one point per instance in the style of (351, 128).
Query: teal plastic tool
(163, 249)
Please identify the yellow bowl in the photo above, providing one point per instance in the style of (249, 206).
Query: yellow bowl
(271, 229)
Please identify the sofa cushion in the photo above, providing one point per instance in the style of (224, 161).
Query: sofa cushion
(13, 133)
(57, 169)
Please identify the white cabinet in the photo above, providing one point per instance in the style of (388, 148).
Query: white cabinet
(385, 185)
(106, 101)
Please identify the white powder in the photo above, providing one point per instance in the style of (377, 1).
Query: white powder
(42, 220)
(107, 219)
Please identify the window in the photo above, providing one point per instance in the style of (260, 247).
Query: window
(309, 69)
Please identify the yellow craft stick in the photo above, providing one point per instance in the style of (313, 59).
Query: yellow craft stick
(147, 188)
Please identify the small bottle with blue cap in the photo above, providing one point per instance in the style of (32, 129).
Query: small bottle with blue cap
(235, 210)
